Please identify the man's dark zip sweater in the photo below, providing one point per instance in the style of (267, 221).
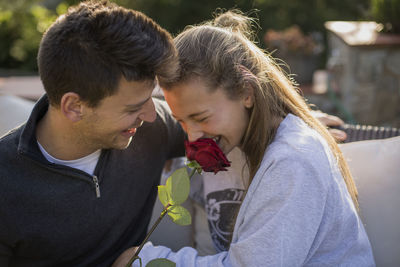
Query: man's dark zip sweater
(54, 215)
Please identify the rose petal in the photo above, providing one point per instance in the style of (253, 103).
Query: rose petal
(207, 153)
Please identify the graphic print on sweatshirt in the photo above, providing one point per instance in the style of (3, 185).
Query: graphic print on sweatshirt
(222, 208)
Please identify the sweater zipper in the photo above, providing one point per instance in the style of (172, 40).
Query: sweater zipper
(96, 185)
(94, 177)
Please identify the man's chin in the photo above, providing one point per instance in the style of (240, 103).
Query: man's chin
(122, 144)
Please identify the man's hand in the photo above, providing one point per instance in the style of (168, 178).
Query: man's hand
(330, 120)
(124, 258)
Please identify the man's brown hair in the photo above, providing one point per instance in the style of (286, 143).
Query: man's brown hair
(94, 44)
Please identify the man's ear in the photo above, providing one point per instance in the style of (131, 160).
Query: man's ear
(72, 106)
(248, 99)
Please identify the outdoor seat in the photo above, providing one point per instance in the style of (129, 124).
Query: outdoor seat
(356, 132)
(13, 112)
(375, 166)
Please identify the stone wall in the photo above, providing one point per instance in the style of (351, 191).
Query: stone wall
(366, 77)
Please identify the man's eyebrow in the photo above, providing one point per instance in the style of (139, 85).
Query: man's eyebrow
(137, 105)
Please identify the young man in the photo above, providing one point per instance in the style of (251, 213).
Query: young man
(78, 181)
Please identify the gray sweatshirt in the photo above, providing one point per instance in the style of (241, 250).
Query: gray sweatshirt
(297, 211)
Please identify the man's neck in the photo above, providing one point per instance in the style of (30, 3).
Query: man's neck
(56, 135)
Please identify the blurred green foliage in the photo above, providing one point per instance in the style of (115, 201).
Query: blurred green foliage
(388, 13)
(276, 14)
(22, 22)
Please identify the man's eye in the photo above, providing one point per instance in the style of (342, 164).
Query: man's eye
(132, 111)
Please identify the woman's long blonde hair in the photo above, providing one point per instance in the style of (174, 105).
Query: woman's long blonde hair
(223, 55)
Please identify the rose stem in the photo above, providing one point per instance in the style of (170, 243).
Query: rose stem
(192, 173)
(153, 228)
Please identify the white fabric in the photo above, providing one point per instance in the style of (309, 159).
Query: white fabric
(236, 175)
(375, 166)
(223, 195)
(86, 164)
(166, 231)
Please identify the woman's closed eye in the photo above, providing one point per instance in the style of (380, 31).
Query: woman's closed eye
(132, 111)
(204, 119)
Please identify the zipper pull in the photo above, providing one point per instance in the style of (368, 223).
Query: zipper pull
(97, 186)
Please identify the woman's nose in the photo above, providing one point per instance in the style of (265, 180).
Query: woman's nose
(194, 133)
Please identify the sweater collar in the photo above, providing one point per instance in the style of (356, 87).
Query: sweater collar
(27, 141)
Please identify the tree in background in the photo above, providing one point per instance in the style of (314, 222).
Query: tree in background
(388, 13)
(22, 22)
(309, 15)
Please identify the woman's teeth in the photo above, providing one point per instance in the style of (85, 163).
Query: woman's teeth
(216, 139)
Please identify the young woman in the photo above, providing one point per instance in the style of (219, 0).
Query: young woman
(300, 205)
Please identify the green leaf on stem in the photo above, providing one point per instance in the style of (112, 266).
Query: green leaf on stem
(163, 195)
(160, 263)
(195, 165)
(179, 215)
(178, 186)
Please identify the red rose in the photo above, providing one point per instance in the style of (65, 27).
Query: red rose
(207, 153)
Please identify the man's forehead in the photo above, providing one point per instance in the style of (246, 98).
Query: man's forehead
(130, 93)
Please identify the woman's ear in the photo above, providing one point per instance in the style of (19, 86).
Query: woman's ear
(72, 106)
(248, 100)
